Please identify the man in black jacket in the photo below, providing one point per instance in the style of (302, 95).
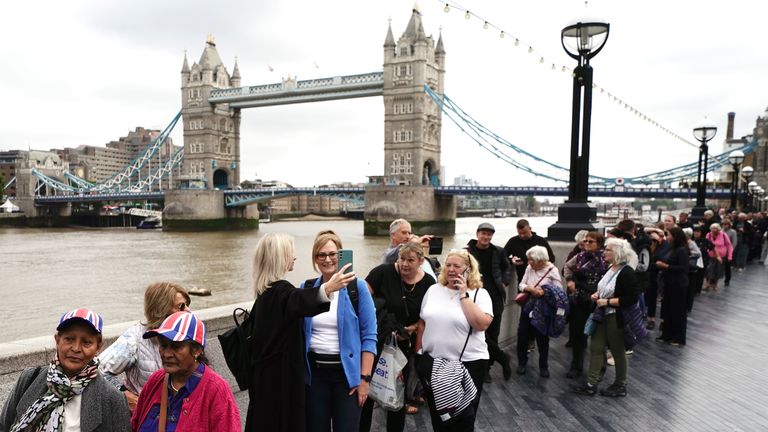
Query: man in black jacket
(518, 245)
(497, 273)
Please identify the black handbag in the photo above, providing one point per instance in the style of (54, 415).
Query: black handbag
(236, 347)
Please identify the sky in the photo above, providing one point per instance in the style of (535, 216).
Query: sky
(87, 72)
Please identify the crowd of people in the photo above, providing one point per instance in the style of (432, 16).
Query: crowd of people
(316, 347)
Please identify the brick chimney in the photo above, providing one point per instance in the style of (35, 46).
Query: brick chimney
(729, 132)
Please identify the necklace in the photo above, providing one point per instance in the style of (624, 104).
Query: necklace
(175, 390)
(405, 286)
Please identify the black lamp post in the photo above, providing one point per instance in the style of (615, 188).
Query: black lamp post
(736, 158)
(703, 132)
(581, 41)
(747, 173)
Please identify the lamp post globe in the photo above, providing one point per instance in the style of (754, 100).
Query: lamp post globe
(581, 41)
(704, 131)
(736, 158)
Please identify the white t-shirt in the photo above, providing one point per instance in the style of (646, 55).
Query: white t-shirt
(325, 330)
(446, 326)
(71, 421)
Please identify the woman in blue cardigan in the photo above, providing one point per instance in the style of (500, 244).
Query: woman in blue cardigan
(339, 344)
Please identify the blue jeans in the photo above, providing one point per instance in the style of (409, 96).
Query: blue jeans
(329, 402)
(742, 250)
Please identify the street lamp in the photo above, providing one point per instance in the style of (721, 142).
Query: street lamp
(752, 186)
(581, 41)
(703, 132)
(747, 173)
(736, 158)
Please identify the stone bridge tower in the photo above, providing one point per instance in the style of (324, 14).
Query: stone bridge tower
(412, 124)
(211, 132)
(412, 121)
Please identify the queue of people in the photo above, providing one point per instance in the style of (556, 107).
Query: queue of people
(315, 347)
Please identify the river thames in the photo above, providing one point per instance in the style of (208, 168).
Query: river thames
(46, 272)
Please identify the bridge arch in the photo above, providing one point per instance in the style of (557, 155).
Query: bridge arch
(220, 178)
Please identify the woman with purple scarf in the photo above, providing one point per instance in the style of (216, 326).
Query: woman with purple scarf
(582, 273)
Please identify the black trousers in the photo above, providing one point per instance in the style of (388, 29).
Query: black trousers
(695, 281)
(652, 293)
(477, 370)
(579, 313)
(492, 333)
(525, 331)
(727, 266)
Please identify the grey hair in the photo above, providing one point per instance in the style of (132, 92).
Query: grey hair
(709, 212)
(688, 232)
(622, 250)
(538, 254)
(395, 225)
(716, 225)
(580, 236)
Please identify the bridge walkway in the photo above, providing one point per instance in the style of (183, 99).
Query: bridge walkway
(717, 382)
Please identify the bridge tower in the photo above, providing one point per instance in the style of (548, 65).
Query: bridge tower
(412, 121)
(211, 131)
(412, 125)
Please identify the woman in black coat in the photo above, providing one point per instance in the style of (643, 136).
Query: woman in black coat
(276, 391)
(674, 274)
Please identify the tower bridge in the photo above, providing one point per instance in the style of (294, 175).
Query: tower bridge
(207, 169)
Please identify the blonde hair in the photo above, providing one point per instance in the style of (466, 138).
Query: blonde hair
(158, 302)
(322, 238)
(411, 248)
(474, 279)
(274, 254)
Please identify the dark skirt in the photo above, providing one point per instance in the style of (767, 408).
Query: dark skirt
(714, 269)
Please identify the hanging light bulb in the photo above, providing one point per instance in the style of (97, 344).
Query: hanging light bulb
(517, 41)
(447, 8)
(562, 69)
(541, 60)
(553, 66)
(467, 15)
(501, 35)
(530, 50)
(485, 26)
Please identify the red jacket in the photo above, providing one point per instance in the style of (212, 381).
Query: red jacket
(210, 408)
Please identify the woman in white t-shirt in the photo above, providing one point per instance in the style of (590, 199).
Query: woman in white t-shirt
(456, 310)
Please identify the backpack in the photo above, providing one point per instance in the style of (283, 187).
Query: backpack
(236, 347)
(351, 291)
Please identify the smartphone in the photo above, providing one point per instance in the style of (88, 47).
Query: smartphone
(436, 246)
(464, 275)
(345, 257)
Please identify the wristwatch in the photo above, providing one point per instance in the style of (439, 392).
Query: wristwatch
(366, 378)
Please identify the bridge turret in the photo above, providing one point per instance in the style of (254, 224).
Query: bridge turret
(412, 121)
(235, 80)
(185, 71)
(389, 45)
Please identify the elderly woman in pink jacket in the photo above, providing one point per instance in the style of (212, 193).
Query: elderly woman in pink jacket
(722, 250)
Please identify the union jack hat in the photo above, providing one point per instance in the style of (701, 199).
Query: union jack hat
(88, 316)
(180, 326)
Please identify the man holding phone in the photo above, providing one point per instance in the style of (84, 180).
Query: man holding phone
(400, 234)
(497, 274)
(518, 245)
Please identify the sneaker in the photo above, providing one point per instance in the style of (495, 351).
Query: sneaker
(521, 370)
(611, 361)
(614, 390)
(629, 352)
(586, 389)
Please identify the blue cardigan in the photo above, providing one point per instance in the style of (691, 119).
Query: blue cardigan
(355, 334)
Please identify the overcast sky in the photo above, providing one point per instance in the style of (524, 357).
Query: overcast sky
(80, 72)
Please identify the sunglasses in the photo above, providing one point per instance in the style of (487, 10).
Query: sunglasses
(182, 306)
(589, 241)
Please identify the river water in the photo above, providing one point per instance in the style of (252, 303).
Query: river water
(45, 272)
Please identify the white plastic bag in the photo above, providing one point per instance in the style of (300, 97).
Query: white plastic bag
(388, 384)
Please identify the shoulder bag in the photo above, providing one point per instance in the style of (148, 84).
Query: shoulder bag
(522, 297)
(236, 347)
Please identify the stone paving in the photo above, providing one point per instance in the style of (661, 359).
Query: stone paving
(717, 382)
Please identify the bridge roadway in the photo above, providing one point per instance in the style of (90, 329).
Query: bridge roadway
(239, 197)
(716, 382)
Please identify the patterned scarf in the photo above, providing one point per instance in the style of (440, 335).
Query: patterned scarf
(47, 413)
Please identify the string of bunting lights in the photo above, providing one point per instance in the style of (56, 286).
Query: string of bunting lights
(517, 42)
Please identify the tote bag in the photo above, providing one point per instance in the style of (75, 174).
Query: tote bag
(388, 384)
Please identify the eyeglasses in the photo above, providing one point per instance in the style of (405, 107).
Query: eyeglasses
(323, 255)
(589, 241)
(182, 306)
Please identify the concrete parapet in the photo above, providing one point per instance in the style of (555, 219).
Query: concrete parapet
(428, 213)
(204, 210)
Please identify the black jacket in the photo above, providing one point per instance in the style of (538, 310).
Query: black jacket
(501, 268)
(627, 291)
(518, 247)
(277, 390)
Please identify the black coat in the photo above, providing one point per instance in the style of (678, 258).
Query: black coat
(518, 247)
(501, 268)
(276, 393)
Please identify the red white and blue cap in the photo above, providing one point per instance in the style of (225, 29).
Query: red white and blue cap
(87, 316)
(180, 326)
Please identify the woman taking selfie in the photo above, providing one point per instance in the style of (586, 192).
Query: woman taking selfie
(340, 345)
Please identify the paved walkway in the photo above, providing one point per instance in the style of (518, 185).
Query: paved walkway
(717, 382)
